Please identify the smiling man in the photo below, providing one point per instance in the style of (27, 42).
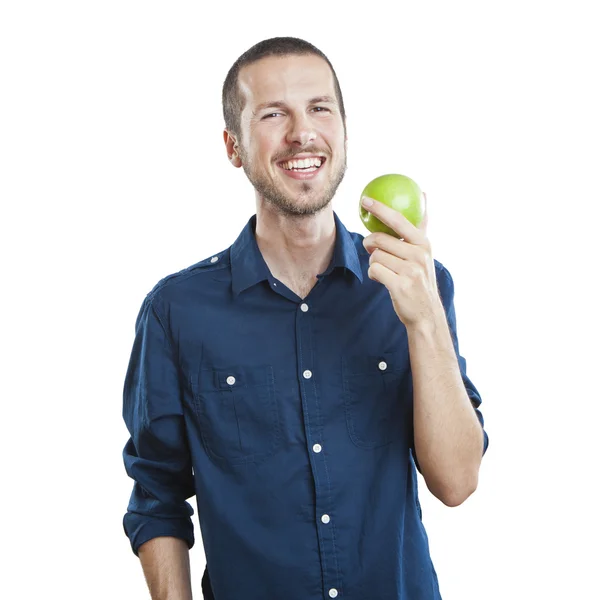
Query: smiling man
(297, 381)
(286, 128)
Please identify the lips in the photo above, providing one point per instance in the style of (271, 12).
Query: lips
(301, 174)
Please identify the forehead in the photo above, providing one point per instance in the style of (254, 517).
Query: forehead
(285, 78)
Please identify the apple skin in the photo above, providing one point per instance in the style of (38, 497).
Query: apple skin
(398, 192)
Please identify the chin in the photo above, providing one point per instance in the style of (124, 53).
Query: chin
(295, 206)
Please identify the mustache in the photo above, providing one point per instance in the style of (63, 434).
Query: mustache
(303, 151)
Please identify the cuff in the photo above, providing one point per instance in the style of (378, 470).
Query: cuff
(140, 529)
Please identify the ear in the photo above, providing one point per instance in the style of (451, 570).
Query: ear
(232, 147)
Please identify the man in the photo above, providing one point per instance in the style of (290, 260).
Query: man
(295, 382)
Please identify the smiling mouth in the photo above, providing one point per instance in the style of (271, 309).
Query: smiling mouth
(302, 165)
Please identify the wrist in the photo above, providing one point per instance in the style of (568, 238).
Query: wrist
(430, 322)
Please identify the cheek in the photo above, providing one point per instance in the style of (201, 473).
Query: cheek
(265, 150)
(337, 143)
(260, 146)
(334, 131)
(255, 158)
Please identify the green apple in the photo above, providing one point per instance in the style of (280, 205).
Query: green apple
(398, 192)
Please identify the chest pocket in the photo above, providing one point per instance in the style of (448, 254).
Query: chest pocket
(374, 398)
(238, 413)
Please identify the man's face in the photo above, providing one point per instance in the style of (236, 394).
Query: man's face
(291, 113)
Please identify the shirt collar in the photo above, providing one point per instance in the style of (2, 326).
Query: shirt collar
(248, 266)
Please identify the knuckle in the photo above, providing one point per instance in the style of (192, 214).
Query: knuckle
(415, 271)
(423, 256)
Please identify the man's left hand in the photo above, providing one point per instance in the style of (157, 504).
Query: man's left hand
(404, 265)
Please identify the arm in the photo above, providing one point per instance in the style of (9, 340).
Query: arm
(449, 439)
(158, 459)
(166, 565)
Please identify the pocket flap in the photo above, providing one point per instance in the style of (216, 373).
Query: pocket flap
(386, 362)
(234, 377)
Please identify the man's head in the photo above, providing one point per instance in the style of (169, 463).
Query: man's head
(281, 100)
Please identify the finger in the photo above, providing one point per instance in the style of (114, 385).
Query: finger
(382, 274)
(390, 244)
(396, 265)
(395, 221)
(393, 263)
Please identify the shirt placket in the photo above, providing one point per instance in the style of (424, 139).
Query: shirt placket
(318, 452)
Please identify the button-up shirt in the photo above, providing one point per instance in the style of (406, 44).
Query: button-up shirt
(289, 419)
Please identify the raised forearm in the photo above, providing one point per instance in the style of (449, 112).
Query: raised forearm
(166, 565)
(448, 435)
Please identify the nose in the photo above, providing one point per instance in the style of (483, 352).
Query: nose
(302, 131)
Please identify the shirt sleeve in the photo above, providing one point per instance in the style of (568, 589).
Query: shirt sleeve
(446, 290)
(157, 455)
(446, 287)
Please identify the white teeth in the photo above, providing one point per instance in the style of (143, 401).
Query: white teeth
(303, 163)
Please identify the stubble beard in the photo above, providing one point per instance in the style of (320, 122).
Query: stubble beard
(297, 206)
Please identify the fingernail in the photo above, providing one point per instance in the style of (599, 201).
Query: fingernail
(367, 201)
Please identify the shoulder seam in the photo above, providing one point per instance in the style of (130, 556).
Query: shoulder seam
(185, 274)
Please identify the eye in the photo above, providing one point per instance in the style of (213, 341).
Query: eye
(270, 115)
(320, 109)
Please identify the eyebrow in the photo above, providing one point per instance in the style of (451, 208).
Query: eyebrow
(280, 104)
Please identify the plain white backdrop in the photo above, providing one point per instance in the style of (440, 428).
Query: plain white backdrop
(113, 174)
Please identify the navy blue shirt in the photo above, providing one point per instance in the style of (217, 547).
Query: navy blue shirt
(289, 419)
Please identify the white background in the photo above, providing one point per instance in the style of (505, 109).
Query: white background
(113, 174)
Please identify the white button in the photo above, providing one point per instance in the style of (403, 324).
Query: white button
(317, 448)
(214, 259)
(274, 284)
(231, 380)
(325, 519)
(307, 374)
(333, 593)
(383, 365)
(304, 307)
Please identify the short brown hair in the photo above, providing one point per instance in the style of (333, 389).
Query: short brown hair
(233, 102)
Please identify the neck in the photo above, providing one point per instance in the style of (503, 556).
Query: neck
(296, 248)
